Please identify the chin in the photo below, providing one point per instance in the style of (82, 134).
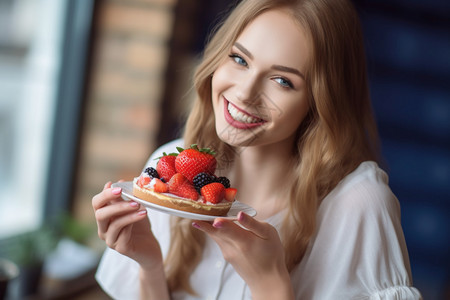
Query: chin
(238, 137)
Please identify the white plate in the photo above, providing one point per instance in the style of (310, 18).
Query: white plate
(127, 194)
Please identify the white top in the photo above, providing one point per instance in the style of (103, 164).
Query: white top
(358, 252)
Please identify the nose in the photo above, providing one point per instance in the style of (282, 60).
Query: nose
(248, 88)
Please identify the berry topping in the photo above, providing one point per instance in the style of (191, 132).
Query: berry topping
(193, 161)
(201, 180)
(160, 187)
(143, 180)
(225, 181)
(180, 186)
(213, 192)
(166, 166)
(152, 172)
(230, 194)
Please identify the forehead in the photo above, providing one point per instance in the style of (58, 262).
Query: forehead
(276, 37)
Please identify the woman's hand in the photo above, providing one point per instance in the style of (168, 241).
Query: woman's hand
(125, 227)
(255, 252)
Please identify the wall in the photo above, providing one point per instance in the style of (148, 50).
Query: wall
(122, 113)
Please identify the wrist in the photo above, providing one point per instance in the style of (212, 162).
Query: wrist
(153, 283)
(275, 286)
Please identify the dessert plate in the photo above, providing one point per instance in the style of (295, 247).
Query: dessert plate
(236, 207)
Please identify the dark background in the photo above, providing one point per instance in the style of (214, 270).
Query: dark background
(408, 52)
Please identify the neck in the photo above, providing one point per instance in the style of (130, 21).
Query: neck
(260, 174)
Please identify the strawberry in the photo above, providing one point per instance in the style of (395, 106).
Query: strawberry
(180, 186)
(166, 166)
(213, 192)
(143, 180)
(230, 194)
(160, 187)
(193, 161)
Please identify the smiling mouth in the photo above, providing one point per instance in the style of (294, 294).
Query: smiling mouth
(241, 116)
(240, 119)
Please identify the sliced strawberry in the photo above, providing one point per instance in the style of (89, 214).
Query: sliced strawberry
(180, 186)
(193, 161)
(143, 180)
(176, 180)
(166, 166)
(213, 192)
(187, 191)
(230, 194)
(160, 187)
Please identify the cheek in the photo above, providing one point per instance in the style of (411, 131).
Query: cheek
(290, 117)
(221, 79)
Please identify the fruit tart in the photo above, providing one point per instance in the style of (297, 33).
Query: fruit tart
(186, 181)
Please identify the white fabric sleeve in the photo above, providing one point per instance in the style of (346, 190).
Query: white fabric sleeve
(359, 251)
(117, 274)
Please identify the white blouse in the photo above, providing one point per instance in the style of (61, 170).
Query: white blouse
(358, 252)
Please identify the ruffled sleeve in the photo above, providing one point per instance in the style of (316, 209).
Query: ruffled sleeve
(396, 293)
(359, 251)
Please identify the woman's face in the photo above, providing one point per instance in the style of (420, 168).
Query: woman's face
(259, 91)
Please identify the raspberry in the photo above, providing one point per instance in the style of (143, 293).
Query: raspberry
(225, 181)
(152, 172)
(202, 179)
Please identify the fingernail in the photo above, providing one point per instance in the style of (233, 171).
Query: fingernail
(217, 224)
(116, 191)
(195, 225)
(142, 212)
(241, 216)
(134, 204)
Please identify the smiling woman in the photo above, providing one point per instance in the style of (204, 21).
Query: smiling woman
(282, 94)
(253, 69)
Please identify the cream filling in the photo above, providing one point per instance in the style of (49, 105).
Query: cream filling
(240, 116)
(200, 202)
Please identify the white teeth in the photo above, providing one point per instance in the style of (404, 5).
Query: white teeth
(240, 116)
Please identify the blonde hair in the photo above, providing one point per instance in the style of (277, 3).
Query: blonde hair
(338, 133)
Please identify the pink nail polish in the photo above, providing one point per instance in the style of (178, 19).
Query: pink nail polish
(217, 224)
(142, 212)
(116, 191)
(134, 204)
(195, 225)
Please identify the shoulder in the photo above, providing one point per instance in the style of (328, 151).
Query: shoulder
(365, 191)
(168, 147)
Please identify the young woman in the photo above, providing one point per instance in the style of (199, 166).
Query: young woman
(283, 98)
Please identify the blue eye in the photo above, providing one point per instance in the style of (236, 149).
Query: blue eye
(238, 59)
(284, 82)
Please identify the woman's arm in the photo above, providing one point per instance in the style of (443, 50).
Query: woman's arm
(153, 284)
(255, 252)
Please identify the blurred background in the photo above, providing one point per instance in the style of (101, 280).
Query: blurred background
(88, 89)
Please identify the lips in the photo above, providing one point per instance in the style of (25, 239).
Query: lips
(239, 118)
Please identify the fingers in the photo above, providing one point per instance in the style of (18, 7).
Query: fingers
(246, 227)
(107, 195)
(104, 215)
(261, 229)
(120, 227)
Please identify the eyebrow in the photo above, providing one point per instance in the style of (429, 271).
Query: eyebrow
(275, 67)
(288, 69)
(243, 49)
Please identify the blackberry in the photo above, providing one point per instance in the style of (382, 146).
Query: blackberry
(152, 172)
(224, 181)
(202, 179)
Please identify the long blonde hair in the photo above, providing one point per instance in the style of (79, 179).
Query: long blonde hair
(337, 135)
